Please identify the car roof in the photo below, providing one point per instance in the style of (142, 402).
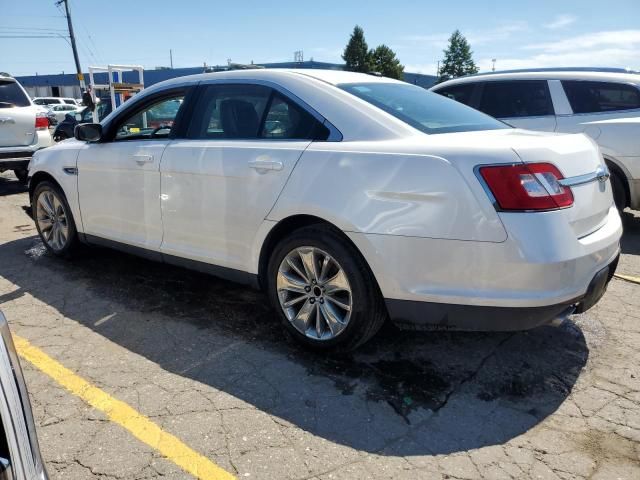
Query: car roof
(609, 75)
(334, 77)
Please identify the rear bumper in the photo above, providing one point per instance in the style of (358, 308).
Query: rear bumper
(15, 160)
(540, 270)
(441, 316)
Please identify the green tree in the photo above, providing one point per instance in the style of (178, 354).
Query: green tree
(356, 53)
(384, 61)
(458, 59)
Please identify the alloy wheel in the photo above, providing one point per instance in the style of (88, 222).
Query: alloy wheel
(314, 293)
(52, 220)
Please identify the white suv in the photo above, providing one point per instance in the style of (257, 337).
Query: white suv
(602, 103)
(24, 128)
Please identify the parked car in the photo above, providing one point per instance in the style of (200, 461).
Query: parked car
(65, 128)
(347, 197)
(51, 116)
(24, 128)
(20, 457)
(60, 111)
(55, 101)
(602, 103)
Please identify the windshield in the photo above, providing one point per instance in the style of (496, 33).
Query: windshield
(428, 112)
(11, 95)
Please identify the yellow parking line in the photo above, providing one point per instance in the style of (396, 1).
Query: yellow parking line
(628, 278)
(119, 412)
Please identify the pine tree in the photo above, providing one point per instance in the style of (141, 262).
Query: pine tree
(384, 61)
(458, 60)
(356, 53)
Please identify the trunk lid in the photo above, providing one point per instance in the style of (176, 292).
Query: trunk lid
(17, 115)
(17, 126)
(579, 159)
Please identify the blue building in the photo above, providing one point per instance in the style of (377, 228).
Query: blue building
(66, 85)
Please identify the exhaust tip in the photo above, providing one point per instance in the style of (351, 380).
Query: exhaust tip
(562, 316)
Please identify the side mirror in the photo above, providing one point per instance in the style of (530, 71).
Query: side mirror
(88, 132)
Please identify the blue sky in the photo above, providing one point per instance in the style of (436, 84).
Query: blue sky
(541, 34)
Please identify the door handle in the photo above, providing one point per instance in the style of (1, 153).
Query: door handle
(266, 165)
(142, 159)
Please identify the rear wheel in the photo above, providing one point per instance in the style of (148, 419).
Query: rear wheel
(619, 192)
(22, 174)
(54, 220)
(325, 294)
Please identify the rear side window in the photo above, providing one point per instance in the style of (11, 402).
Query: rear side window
(459, 93)
(518, 98)
(591, 97)
(286, 121)
(251, 112)
(229, 111)
(11, 95)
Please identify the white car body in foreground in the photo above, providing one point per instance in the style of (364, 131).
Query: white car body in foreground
(603, 104)
(406, 216)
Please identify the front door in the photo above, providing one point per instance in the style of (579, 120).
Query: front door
(119, 178)
(520, 103)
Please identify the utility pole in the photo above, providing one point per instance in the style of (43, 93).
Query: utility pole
(73, 44)
(493, 68)
(171, 58)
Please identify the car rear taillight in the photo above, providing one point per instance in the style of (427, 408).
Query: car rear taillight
(42, 122)
(531, 186)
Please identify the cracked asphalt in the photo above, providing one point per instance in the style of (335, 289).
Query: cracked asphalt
(206, 361)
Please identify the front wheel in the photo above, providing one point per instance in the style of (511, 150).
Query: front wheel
(323, 290)
(54, 220)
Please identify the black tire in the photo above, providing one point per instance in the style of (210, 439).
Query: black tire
(619, 192)
(22, 174)
(59, 136)
(368, 312)
(71, 243)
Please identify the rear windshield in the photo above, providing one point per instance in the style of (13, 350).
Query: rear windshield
(427, 111)
(11, 95)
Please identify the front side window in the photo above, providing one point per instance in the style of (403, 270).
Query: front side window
(517, 98)
(427, 111)
(69, 102)
(249, 112)
(591, 97)
(11, 95)
(154, 121)
(459, 93)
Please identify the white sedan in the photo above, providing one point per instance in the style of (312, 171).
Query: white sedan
(349, 198)
(62, 110)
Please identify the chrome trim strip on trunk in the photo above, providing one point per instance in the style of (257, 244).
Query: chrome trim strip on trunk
(601, 174)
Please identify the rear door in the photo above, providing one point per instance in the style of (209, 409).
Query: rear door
(17, 116)
(219, 183)
(593, 102)
(520, 103)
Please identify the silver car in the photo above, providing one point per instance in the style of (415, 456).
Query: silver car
(19, 451)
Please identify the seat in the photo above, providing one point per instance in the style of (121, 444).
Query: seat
(238, 119)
